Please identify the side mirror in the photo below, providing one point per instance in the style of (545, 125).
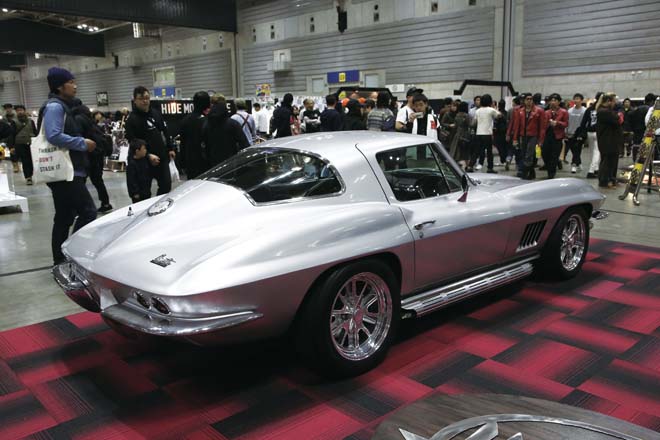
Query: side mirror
(465, 184)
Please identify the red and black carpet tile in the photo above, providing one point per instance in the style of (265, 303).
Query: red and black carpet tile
(591, 342)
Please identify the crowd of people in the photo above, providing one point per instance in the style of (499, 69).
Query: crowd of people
(552, 130)
(211, 134)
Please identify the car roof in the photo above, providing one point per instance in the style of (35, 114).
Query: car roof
(329, 144)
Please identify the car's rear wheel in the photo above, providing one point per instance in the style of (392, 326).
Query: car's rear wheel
(567, 246)
(350, 319)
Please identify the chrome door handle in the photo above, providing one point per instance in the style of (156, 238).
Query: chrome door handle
(420, 226)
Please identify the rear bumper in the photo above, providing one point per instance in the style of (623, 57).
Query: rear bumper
(75, 287)
(132, 319)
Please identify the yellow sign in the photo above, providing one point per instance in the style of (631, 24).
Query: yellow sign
(342, 77)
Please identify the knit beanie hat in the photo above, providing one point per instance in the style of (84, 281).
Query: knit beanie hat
(58, 77)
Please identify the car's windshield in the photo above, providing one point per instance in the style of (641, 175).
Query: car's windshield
(272, 174)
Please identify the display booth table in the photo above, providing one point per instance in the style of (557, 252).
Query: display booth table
(8, 197)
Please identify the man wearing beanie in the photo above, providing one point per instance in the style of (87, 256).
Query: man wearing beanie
(71, 199)
(147, 124)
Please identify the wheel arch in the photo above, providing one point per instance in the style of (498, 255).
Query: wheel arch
(389, 258)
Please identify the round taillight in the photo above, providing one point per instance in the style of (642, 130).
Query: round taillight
(141, 300)
(160, 305)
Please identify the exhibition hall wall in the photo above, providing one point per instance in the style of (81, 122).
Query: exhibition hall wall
(563, 46)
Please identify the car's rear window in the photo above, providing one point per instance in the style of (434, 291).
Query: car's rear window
(271, 175)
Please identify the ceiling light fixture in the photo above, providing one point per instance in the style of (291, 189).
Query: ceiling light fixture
(85, 26)
(79, 26)
(5, 10)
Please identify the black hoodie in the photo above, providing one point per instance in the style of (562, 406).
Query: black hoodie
(223, 136)
(150, 127)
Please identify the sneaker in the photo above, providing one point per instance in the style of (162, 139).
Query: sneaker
(478, 167)
(105, 208)
(573, 169)
(592, 175)
(29, 181)
(507, 165)
(491, 171)
(560, 166)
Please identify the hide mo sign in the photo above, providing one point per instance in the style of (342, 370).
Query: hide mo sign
(176, 108)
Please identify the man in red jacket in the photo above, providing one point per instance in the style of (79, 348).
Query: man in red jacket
(528, 130)
(556, 121)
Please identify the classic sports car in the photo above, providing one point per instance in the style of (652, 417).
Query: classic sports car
(334, 236)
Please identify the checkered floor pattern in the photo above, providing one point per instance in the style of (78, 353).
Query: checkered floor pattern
(592, 342)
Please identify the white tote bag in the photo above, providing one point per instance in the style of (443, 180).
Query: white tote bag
(51, 163)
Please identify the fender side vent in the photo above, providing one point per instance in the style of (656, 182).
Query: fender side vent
(530, 237)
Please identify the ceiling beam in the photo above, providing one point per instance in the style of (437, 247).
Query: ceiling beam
(205, 14)
(27, 36)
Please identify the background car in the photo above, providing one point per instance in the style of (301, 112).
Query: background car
(335, 236)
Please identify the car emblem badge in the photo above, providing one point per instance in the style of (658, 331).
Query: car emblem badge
(163, 260)
(160, 206)
(487, 427)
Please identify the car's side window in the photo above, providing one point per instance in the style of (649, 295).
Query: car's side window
(417, 172)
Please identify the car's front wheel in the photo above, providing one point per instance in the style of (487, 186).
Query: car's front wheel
(350, 319)
(567, 246)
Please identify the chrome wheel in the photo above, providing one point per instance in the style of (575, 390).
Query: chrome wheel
(361, 316)
(573, 242)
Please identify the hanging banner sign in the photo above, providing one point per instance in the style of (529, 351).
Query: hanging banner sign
(347, 76)
(165, 92)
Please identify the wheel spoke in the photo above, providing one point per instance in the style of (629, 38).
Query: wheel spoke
(344, 340)
(366, 331)
(336, 326)
(356, 338)
(369, 319)
(371, 300)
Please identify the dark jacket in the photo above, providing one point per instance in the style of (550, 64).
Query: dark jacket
(609, 131)
(282, 121)
(588, 124)
(79, 159)
(193, 153)
(25, 131)
(138, 178)
(91, 130)
(223, 136)
(638, 120)
(9, 137)
(151, 128)
(354, 119)
(331, 120)
(627, 119)
(5, 129)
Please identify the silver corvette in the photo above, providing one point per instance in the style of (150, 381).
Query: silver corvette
(335, 237)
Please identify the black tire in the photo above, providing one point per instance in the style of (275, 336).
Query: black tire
(313, 330)
(550, 265)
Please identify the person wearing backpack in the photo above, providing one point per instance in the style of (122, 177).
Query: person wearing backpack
(91, 130)
(246, 120)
